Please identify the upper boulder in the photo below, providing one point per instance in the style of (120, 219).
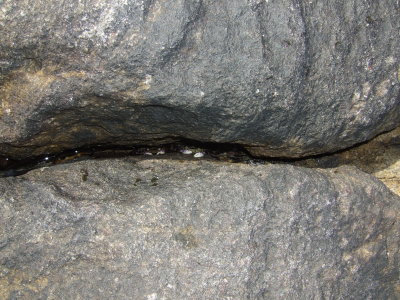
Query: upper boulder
(283, 78)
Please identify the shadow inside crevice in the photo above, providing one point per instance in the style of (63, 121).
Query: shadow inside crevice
(370, 157)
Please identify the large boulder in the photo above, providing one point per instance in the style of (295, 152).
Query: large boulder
(284, 78)
(157, 229)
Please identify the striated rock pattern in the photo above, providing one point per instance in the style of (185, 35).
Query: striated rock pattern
(157, 229)
(284, 78)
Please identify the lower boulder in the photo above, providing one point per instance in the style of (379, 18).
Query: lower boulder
(158, 229)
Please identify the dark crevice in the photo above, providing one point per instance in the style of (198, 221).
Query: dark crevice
(262, 17)
(307, 55)
(212, 151)
(361, 155)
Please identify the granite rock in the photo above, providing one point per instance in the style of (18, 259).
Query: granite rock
(158, 229)
(379, 157)
(283, 78)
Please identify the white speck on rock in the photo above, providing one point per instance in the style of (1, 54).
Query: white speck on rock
(366, 87)
(390, 60)
(199, 154)
(186, 151)
(148, 79)
(152, 296)
(356, 95)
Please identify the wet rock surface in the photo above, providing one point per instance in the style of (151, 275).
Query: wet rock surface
(284, 78)
(380, 157)
(158, 229)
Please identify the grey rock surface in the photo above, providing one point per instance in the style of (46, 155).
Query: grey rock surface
(284, 78)
(157, 229)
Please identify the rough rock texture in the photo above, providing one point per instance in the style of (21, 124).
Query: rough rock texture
(391, 177)
(156, 229)
(294, 77)
(380, 157)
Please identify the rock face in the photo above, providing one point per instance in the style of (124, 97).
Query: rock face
(284, 78)
(379, 157)
(156, 229)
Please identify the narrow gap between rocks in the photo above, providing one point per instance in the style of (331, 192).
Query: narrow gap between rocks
(371, 157)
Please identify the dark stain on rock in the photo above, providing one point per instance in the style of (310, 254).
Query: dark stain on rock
(137, 181)
(186, 238)
(154, 181)
(84, 174)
